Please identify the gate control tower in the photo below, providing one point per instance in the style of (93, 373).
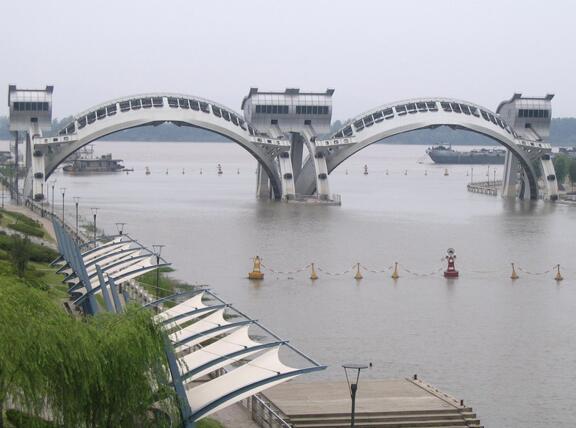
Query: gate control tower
(31, 113)
(292, 114)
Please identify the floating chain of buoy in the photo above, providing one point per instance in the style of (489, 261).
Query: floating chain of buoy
(451, 271)
(395, 274)
(256, 270)
(313, 274)
(448, 271)
(514, 275)
(358, 275)
(558, 276)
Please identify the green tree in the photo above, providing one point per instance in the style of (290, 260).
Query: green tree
(105, 371)
(572, 172)
(20, 254)
(561, 165)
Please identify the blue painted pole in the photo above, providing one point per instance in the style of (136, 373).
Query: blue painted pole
(104, 290)
(115, 295)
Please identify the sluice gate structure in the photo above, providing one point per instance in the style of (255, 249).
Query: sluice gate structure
(289, 134)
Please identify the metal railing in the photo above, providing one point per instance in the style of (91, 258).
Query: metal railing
(485, 187)
(334, 198)
(264, 413)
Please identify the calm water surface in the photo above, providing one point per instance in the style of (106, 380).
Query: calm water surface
(508, 348)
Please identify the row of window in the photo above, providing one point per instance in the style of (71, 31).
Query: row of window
(30, 106)
(422, 107)
(271, 109)
(157, 102)
(284, 109)
(312, 109)
(533, 113)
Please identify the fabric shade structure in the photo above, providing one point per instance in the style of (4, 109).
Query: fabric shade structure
(213, 355)
(186, 311)
(100, 266)
(216, 360)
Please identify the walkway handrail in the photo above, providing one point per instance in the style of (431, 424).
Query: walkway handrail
(274, 419)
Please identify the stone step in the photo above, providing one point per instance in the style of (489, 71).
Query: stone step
(379, 418)
(407, 424)
(463, 411)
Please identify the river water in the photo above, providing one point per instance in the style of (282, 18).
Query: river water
(507, 347)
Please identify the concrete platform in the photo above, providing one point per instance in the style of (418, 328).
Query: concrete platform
(379, 403)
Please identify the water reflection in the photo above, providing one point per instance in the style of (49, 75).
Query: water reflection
(483, 337)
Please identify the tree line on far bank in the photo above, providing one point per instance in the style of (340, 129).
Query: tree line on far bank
(565, 167)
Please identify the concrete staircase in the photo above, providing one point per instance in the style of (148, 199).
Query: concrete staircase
(449, 418)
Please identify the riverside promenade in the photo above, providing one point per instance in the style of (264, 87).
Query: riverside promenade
(392, 403)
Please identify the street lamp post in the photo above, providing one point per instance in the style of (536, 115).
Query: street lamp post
(472, 175)
(352, 370)
(94, 212)
(52, 183)
(157, 252)
(120, 228)
(41, 201)
(76, 201)
(63, 190)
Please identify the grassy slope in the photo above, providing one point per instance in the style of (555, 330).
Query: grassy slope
(9, 218)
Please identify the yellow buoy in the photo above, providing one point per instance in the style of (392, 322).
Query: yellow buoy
(558, 276)
(514, 274)
(395, 273)
(256, 271)
(313, 274)
(446, 172)
(358, 274)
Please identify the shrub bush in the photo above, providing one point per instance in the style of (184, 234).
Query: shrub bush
(27, 229)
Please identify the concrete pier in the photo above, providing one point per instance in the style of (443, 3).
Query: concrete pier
(379, 403)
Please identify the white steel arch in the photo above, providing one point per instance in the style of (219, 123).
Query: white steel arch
(154, 109)
(409, 115)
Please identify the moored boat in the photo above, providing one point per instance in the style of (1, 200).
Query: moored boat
(447, 155)
(104, 163)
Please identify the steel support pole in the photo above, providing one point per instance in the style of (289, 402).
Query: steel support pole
(353, 388)
(77, 234)
(52, 207)
(63, 194)
(94, 227)
(157, 276)
(16, 167)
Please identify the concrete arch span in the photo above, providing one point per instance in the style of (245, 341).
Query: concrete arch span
(154, 109)
(405, 116)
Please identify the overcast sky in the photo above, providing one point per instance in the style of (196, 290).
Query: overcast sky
(371, 52)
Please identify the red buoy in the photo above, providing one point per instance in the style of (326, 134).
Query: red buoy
(451, 271)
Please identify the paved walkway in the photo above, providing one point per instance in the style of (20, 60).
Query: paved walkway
(235, 416)
(373, 396)
(46, 223)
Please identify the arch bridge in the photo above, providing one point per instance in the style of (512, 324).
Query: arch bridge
(289, 121)
(155, 109)
(527, 155)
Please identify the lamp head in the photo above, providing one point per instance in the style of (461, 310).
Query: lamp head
(352, 372)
